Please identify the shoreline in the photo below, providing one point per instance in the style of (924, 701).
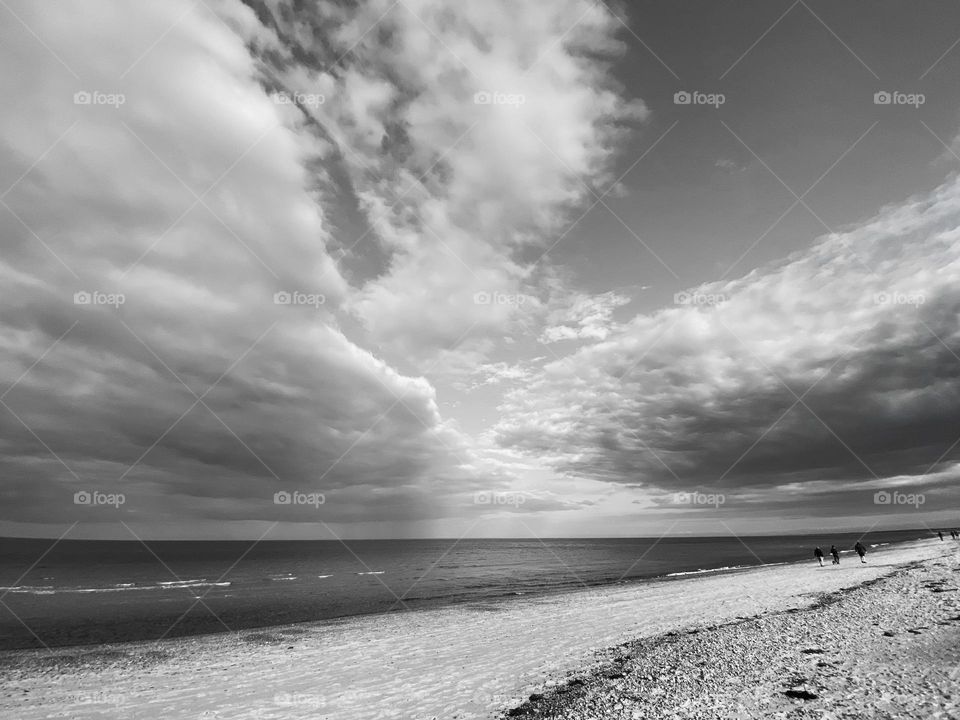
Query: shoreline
(467, 661)
(887, 647)
(59, 636)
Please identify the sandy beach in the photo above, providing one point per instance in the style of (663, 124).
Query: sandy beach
(481, 660)
(889, 648)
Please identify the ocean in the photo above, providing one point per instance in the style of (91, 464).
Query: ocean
(84, 592)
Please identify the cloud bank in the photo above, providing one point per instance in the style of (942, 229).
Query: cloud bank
(834, 370)
(214, 215)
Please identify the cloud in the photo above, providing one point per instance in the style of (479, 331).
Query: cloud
(487, 374)
(174, 217)
(466, 135)
(839, 364)
(213, 210)
(582, 316)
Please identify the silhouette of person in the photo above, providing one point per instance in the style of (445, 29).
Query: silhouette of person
(861, 551)
(836, 554)
(818, 554)
(940, 534)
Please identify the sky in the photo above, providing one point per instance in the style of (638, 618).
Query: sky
(288, 269)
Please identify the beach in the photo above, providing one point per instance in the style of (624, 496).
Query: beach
(889, 648)
(484, 659)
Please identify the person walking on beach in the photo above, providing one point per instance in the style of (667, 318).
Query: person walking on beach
(861, 550)
(818, 554)
(836, 554)
(941, 536)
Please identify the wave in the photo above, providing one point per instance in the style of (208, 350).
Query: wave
(32, 589)
(189, 584)
(723, 569)
(119, 587)
(711, 570)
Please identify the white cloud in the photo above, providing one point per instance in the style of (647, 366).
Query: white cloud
(579, 316)
(452, 188)
(862, 326)
(108, 202)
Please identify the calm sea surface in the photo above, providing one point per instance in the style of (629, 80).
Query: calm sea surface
(84, 592)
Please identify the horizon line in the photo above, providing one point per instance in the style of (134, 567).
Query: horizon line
(929, 531)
